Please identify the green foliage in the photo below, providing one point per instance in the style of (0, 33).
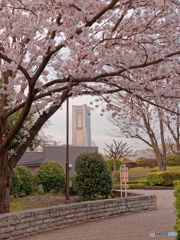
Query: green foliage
(150, 163)
(145, 182)
(170, 177)
(93, 177)
(116, 186)
(177, 208)
(131, 186)
(173, 160)
(155, 178)
(51, 175)
(35, 183)
(22, 181)
(74, 189)
(172, 163)
(163, 178)
(130, 164)
(110, 164)
(136, 186)
(116, 175)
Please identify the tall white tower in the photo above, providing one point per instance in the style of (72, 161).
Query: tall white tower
(81, 125)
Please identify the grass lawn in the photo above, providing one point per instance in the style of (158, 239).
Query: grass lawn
(38, 201)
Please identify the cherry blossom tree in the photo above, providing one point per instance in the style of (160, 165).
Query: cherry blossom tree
(139, 120)
(51, 50)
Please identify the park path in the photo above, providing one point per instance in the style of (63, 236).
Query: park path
(127, 227)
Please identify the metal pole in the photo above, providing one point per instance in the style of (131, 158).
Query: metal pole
(67, 153)
(120, 180)
(125, 181)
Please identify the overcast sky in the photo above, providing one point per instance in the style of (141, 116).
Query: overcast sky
(99, 126)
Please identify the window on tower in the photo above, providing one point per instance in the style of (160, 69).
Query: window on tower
(79, 120)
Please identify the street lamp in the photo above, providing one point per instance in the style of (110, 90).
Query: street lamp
(67, 153)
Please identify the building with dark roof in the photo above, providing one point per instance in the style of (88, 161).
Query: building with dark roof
(33, 160)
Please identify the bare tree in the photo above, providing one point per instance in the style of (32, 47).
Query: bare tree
(139, 120)
(117, 150)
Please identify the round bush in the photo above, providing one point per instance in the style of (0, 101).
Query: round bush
(93, 177)
(51, 175)
(110, 164)
(22, 181)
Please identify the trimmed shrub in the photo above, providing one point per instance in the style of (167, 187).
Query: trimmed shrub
(155, 178)
(93, 177)
(150, 163)
(22, 181)
(145, 182)
(172, 159)
(110, 164)
(136, 186)
(163, 178)
(74, 189)
(170, 177)
(131, 186)
(51, 175)
(116, 186)
(177, 208)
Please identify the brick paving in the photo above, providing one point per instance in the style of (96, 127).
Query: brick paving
(127, 227)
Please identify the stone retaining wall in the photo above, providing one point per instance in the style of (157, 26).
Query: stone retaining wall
(22, 224)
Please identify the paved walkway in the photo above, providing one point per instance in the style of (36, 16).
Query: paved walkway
(128, 227)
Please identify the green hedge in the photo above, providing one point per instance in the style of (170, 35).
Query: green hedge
(163, 178)
(22, 181)
(177, 207)
(131, 186)
(155, 178)
(145, 182)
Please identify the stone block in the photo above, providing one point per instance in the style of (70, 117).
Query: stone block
(28, 219)
(59, 218)
(43, 226)
(38, 222)
(64, 213)
(80, 214)
(49, 220)
(70, 216)
(7, 229)
(18, 232)
(83, 218)
(5, 236)
(55, 214)
(32, 229)
(42, 216)
(71, 220)
(22, 225)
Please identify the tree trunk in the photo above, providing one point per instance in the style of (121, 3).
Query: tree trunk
(5, 183)
(163, 155)
(114, 164)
